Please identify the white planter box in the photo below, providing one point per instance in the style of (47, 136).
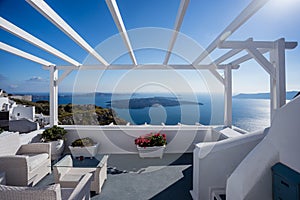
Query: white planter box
(151, 152)
(57, 148)
(90, 151)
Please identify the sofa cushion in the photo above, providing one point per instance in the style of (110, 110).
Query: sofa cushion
(34, 160)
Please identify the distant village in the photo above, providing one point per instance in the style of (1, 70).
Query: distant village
(17, 117)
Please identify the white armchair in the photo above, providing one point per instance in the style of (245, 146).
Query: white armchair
(52, 192)
(23, 164)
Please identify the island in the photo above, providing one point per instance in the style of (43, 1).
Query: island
(289, 95)
(140, 103)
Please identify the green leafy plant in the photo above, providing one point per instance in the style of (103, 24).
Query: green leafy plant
(150, 140)
(1, 130)
(53, 134)
(83, 142)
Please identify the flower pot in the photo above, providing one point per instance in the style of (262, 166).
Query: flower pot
(151, 152)
(57, 148)
(88, 151)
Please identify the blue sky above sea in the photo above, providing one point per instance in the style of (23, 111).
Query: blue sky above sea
(204, 20)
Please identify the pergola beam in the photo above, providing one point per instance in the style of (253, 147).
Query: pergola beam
(217, 75)
(226, 56)
(145, 67)
(13, 29)
(179, 19)
(253, 44)
(250, 10)
(43, 8)
(247, 57)
(114, 10)
(63, 76)
(24, 54)
(262, 60)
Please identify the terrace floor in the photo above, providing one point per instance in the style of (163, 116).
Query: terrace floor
(130, 177)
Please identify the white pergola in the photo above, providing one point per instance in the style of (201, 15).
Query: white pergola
(274, 65)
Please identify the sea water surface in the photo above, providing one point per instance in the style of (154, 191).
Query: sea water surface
(248, 114)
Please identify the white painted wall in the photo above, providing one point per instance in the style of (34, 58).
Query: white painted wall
(252, 179)
(20, 111)
(22, 97)
(120, 139)
(3, 100)
(215, 161)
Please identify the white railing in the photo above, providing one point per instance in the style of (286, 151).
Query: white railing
(115, 139)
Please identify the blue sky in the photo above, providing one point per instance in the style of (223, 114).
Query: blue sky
(204, 20)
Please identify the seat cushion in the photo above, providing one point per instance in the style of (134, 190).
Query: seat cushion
(33, 193)
(34, 160)
(74, 175)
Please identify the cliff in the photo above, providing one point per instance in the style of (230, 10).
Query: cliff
(70, 114)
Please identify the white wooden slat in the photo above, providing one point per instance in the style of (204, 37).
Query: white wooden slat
(43, 8)
(8, 26)
(114, 10)
(179, 19)
(24, 54)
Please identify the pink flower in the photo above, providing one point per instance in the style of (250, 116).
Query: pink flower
(151, 139)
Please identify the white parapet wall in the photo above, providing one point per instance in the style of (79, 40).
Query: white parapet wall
(215, 161)
(117, 139)
(252, 179)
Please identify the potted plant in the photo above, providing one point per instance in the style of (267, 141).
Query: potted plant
(55, 136)
(84, 147)
(151, 145)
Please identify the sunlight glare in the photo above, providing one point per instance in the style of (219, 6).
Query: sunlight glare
(284, 5)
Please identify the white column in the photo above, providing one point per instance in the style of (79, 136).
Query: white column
(228, 96)
(277, 84)
(53, 96)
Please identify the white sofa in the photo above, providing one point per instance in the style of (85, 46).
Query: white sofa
(52, 192)
(23, 164)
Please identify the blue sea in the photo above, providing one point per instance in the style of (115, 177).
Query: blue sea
(248, 114)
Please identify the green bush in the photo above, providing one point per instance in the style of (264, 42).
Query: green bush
(1, 130)
(84, 142)
(53, 134)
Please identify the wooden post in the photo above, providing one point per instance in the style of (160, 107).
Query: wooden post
(228, 96)
(277, 84)
(53, 96)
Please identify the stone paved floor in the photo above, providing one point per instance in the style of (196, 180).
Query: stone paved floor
(133, 178)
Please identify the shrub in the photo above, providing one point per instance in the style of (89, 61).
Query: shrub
(53, 134)
(84, 142)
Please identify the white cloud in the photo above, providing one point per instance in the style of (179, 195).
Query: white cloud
(13, 86)
(2, 77)
(35, 79)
